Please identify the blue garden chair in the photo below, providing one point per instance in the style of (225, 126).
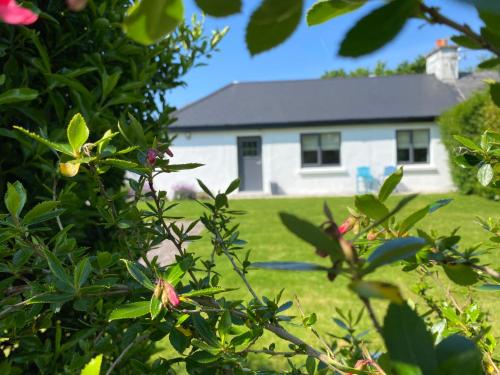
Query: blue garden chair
(390, 169)
(364, 178)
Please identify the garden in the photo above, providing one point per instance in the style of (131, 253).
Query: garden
(378, 283)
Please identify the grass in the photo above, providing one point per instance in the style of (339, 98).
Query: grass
(269, 240)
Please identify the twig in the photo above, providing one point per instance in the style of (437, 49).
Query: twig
(271, 352)
(320, 338)
(373, 363)
(170, 236)
(235, 266)
(102, 189)
(371, 314)
(490, 271)
(54, 198)
(436, 17)
(122, 354)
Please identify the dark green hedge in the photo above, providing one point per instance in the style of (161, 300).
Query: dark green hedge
(470, 119)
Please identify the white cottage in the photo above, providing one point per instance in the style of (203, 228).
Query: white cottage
(319, 137)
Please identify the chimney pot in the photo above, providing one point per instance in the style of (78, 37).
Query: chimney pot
(441, 43)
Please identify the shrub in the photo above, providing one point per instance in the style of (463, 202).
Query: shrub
(182, 192)
(470, 119)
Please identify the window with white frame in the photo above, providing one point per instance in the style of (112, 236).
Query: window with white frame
(320, 149)
(412, 146)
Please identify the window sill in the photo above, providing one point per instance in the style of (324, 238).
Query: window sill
(322, 170)
(418, 168)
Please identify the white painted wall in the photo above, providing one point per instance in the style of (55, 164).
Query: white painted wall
(362, 145)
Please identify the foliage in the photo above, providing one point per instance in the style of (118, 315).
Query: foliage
(470, 119)
(79, 292)
(416, 66)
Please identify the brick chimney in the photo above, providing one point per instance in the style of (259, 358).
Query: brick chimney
(443, 61)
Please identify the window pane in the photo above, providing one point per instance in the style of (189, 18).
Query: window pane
(421, 138)
(310, 142)
(330, 157)
(330, 141)
(403, 139)
(403, 155)
(420, 155)
(309, 157)
(249, 148)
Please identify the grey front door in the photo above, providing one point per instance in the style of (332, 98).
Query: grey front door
(250, 163)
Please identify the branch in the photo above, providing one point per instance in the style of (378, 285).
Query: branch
(371, 314)
(122, 354)
(170, 236)
(436, 17)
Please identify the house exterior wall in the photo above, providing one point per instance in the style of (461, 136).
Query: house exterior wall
(361, 145)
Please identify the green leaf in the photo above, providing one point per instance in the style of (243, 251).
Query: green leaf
(377, 289)
(15, 198)
(18, 95)
(207, 292)
(465, 41)
(405, 368)
(460, 274)
(290, 266)
(489, 288)
(82, 272)
(495, 93)
(219, 8)
(61, 147)
(310, 365)
(416, 216)
(174, 273)
(272, 23)
(130, 311)
(458, 355)
(93, 367)
(369, 205)
(154, 306)
(147, 21)
(109, 83)
(50, 298)
(378, 28)
(225, 324)
(124, 164)
(233, 186)
(43, 211)
(181, 167)
(138, 275)
(467, 143)
(324, 10)
(407, 339)
(490, 63)
(57, 268)
(390, 184)
(310, 233)
(204, 330)
(78, 133)
(394, 250)
(485, 174)
(205, 188)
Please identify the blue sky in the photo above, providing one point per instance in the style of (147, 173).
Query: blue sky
(311, 50)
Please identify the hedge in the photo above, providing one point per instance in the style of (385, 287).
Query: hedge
(470, 119)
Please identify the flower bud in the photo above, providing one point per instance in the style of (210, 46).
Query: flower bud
(69, 169)
(169, 152)
(151, 156)
(372, 235)
(347, 225)
(169, 296)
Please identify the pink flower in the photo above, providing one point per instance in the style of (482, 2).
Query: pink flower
(169, 152)
(12, 13)
(151, 155)
(173, 299)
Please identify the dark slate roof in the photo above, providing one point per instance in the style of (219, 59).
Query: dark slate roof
(475, 81)
(320, 101)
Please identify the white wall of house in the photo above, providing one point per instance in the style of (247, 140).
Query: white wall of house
(361, 145)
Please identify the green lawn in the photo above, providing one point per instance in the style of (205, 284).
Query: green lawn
(269, 240)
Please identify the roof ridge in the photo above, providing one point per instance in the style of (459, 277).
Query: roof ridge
(205, 97)
(330, 79)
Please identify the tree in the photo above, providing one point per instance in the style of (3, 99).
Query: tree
(417, 66)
